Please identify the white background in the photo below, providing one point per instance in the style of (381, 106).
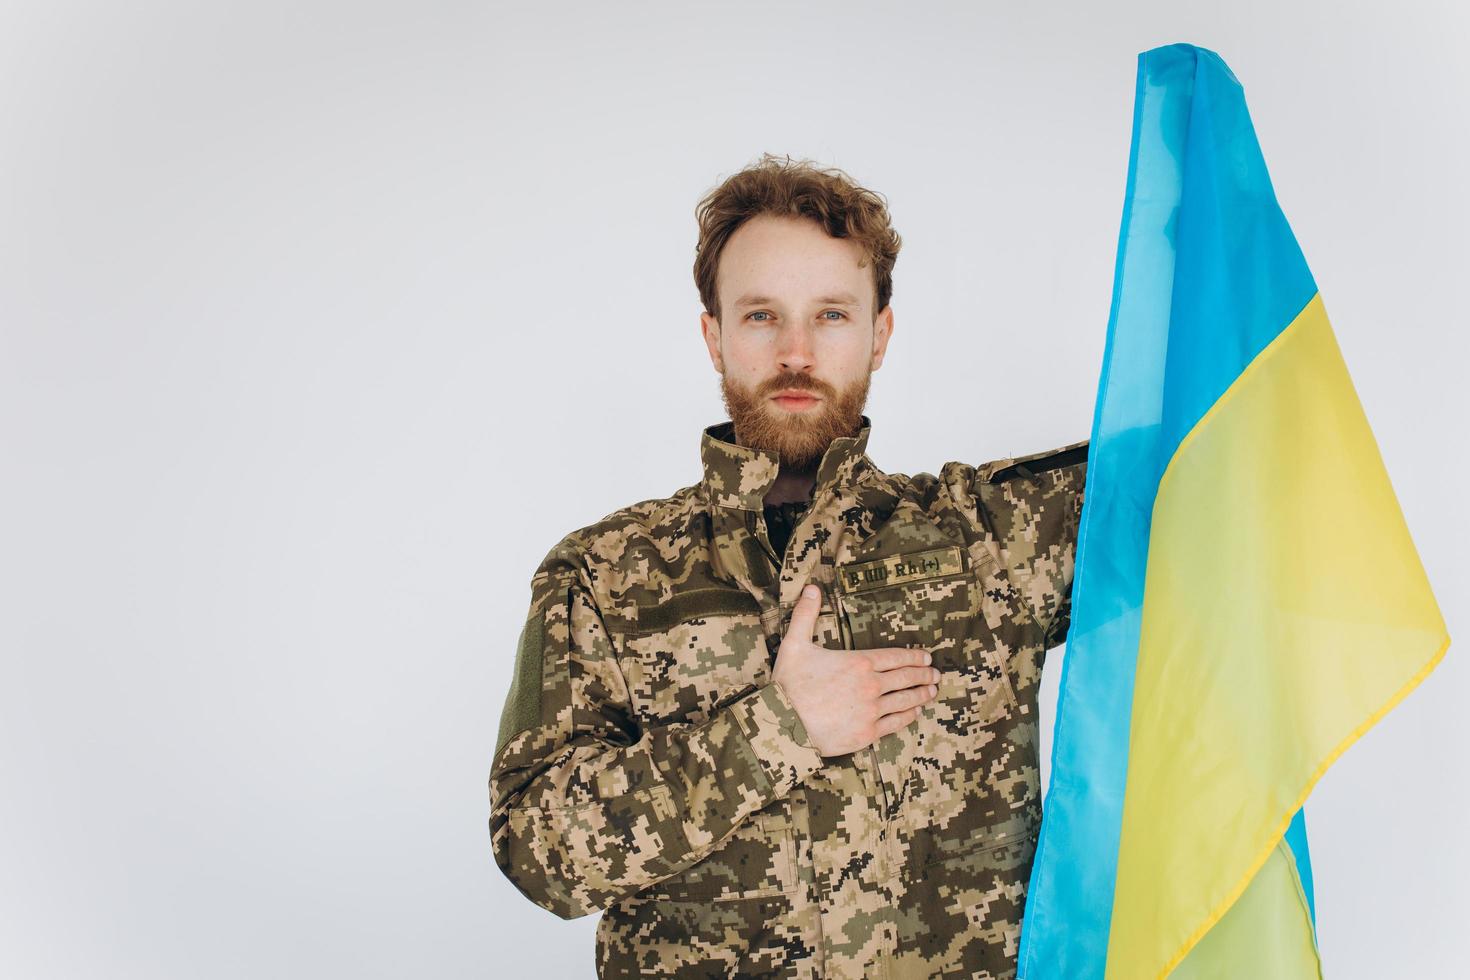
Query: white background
(322, 322)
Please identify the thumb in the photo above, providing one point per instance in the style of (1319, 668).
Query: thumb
(804, 614)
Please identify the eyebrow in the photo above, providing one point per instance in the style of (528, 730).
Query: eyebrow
(842, 299)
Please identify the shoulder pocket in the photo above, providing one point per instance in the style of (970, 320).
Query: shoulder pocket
(523, 701)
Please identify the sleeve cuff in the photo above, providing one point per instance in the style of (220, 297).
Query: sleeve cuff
(777, 737)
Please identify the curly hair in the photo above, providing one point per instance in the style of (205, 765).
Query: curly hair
(782, 186)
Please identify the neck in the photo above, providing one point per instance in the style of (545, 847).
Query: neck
(791, 485)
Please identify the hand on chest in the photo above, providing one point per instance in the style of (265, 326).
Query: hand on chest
(908, 583)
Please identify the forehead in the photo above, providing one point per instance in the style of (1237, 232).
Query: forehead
(788, 258)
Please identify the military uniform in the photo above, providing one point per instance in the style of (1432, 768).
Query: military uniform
(647, 765)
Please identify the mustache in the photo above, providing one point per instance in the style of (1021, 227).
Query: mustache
(795, 382)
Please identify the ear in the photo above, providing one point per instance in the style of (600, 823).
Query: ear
(710, 327)
(882, 330)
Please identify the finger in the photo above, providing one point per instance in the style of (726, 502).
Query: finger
(889, 724)
(893, 680)
(891, 658)
(909, 697)
(804, 615)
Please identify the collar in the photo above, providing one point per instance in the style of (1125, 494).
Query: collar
(740, 476)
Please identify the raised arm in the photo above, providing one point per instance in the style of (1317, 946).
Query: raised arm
(1034, 505)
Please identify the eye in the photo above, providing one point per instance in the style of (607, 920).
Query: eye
(756, 314)
(839, 313)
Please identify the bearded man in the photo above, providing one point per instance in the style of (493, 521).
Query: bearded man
(783, 722)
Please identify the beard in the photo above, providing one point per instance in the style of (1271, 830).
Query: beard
(798, 438)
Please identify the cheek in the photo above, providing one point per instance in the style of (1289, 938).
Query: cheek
(847, 354)
(747, 357)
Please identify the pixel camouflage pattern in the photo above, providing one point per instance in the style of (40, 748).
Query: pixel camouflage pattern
(658, 775)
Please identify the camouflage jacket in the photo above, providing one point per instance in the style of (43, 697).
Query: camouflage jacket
(647, 766)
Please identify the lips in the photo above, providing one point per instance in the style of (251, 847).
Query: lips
(795, 400)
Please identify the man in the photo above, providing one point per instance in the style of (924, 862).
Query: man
(783, 722)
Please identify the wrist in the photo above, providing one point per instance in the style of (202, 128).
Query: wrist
(778, 736)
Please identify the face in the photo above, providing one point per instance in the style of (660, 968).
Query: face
(797, 338)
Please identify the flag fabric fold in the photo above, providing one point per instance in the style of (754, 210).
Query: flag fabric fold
(1248, 600)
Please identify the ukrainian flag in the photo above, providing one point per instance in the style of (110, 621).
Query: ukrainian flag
(1248, 600)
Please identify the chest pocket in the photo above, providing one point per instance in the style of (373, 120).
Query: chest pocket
(693, 653)
(907, 599)
(929, 598)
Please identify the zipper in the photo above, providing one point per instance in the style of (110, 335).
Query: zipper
(844, 632)
(764, 540)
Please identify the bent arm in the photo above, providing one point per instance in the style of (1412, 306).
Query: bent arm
(588, 808)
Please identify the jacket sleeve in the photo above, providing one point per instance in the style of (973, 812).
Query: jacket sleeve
(586, 807)
(1034, 506)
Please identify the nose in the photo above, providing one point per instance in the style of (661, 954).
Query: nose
(795, 347)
